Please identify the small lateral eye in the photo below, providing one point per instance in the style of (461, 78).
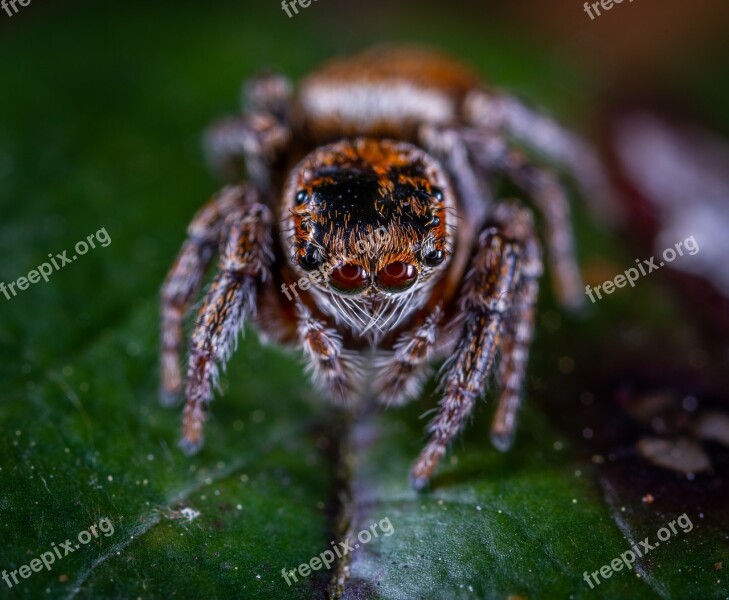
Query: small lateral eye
(311, 260)
(302, 196)
(434, 222)
(434, 257)
(397, 276)
(438, 194)
(348, 278)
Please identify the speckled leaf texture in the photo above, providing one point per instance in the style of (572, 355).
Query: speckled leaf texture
(101, 115)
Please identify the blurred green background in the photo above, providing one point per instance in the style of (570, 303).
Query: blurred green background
(101, 113)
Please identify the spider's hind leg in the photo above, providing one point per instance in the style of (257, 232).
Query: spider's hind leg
(518, 334)
(251, 144)
(545, 135)
(268, 93)
(492, 153)
(507, 258)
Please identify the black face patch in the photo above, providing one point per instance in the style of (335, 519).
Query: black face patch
(349, 198)
(348, 194)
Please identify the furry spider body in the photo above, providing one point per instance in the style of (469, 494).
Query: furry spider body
(397, 147)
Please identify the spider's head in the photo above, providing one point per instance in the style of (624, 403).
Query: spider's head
(370, 222)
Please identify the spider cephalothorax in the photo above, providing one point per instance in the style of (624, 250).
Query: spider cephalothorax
(372, 217)
(367, 235)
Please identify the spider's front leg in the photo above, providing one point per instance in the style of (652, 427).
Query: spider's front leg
(496, 290)
(185, 278)
(245, 258)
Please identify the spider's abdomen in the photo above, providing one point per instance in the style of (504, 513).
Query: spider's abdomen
(384, 92)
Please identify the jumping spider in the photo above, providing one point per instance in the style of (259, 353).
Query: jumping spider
(397, 140)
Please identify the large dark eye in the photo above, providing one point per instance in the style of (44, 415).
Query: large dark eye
(301, 197)
(311, 260)
(397, 276)
(434, 258)
(348, 278)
